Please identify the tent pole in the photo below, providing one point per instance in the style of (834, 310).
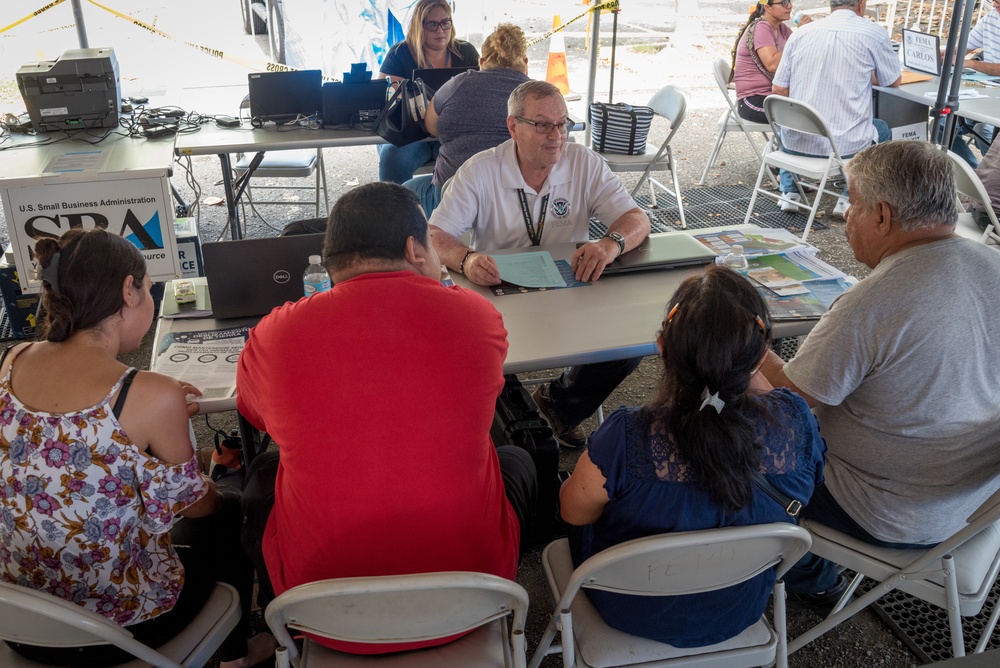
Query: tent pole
(951, 73)
(595, 46)
(81, 29)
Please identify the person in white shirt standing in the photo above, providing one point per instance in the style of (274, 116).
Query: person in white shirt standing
(831, 65)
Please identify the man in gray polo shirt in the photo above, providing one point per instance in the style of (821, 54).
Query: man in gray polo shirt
(901, 370)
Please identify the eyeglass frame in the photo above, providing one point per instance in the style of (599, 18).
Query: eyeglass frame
(783, 3)
(435, 26)
(566, 125)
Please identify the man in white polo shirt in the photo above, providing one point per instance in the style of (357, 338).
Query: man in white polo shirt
(538, 189)
(830, 64)
(985, 36)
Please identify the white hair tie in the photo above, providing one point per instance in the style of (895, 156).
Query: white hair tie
(710, 399)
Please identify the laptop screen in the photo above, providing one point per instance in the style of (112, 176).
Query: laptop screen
(281, 96)
(252, 276)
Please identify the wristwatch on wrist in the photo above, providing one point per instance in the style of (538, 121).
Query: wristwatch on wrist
(618, 239)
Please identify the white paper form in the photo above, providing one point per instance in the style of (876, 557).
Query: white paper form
(77, 161)
(206, 360)
(530, 270)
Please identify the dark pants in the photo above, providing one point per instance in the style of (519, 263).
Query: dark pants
(580, 390)
(520, 484)
(209, 548)
(813, 574)
(751, 108)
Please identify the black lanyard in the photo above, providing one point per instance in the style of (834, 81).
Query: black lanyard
(534, 234)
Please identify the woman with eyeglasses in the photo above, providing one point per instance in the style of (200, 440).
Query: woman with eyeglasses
(469, 112)
(430, 43)
(756, 55)
(686, 460)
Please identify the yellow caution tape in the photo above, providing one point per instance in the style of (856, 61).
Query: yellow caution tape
(610, 5)
(252, 65)
(32, 14)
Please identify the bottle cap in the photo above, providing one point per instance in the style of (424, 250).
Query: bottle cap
(737, 249)
(314, 259)
(798, 17)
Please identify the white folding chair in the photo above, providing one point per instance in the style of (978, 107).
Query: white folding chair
(38, 618)
(696, 566)
(731, 121)
(956, 575)
(288, 164)
(968, 185)
(403, 609)
(671, 103)
(784, 112)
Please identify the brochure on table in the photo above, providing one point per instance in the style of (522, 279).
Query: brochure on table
(206, 360)
(794, 282)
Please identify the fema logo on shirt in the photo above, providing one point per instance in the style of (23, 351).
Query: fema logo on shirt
(560, 208)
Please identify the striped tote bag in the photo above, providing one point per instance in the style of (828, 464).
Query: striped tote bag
(619, 128)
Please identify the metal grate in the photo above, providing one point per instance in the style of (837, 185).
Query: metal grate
(786, 347)
(924, 627)
(715, 206)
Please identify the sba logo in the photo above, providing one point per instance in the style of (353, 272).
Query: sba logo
(146, 236)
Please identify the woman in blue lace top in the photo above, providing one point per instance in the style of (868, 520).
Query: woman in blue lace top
(684, 461)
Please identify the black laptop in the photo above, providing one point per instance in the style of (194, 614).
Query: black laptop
(250, 277)
(282, 96)
(438, 76)
(662, 251)
(348, 103)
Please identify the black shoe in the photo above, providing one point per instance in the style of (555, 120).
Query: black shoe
(572, 436)
(823, 602)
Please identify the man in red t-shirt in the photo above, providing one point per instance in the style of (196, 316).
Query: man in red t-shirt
(380, 394)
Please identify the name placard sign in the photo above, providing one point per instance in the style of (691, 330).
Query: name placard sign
(921, 52)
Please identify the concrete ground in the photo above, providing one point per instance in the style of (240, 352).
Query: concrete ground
(683, 58)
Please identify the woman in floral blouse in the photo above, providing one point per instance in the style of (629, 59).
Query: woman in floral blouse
(97, 466)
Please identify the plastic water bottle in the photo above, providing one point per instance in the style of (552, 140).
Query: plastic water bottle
(315, 279)
(736, 260)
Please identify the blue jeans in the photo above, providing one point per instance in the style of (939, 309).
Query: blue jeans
(429, 194)
(813, 574)
(982, 136)
(787, 179)
(396, 164)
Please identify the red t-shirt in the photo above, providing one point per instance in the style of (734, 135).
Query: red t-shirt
(380, 394)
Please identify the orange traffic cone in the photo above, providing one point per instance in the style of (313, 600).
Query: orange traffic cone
(556, 73)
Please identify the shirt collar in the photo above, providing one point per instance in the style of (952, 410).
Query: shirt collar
(510, 171)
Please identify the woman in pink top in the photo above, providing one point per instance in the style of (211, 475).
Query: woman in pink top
(757, 53)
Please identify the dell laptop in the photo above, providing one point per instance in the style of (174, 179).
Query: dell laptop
(663, 251)
(250, 277)
(284, 96)
(437, 76)
(349, 103)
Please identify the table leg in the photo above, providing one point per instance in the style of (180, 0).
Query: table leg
(232, 205)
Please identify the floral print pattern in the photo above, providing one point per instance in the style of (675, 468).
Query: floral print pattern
(85, 515)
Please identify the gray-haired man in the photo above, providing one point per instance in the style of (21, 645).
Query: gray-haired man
(901, 370)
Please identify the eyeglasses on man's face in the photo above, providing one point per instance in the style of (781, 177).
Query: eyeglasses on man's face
(434, 26)
(544, 127)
